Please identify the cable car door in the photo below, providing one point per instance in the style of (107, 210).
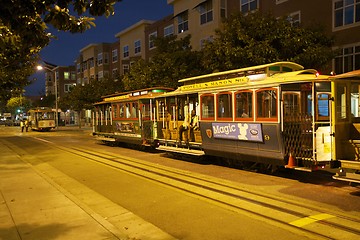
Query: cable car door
(341, 116)
(323, 122)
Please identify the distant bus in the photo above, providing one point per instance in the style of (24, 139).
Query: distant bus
(41, 119)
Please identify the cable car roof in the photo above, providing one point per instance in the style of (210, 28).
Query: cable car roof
(353, 74)
(268, 68)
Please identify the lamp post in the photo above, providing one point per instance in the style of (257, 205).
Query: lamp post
(52, 70)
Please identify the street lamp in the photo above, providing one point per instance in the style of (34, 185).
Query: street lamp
(52, 70)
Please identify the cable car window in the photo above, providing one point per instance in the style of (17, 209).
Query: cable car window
(134, 110)
(266, 104)
(341, 101)
(354, 98)
(122, 110)
(224, 105)
(323, 110)
(291, 102)
(207, 107)
(243, 105)
(115, 111)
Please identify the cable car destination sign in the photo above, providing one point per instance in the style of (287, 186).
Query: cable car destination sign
(212, 84)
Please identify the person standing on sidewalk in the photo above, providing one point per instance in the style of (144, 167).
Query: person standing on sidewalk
(26, 124)
(22, 125)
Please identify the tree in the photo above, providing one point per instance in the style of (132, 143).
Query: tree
(253, 39)
(23, 29)
(18, 104)
(172, 61)
(83, 97)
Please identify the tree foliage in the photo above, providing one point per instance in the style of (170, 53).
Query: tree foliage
(259, 38)
(173, 60)
(83, 97)
(23, 31)
(20, 102)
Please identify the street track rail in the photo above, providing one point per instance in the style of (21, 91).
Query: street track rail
(284, 212)
(298, 217)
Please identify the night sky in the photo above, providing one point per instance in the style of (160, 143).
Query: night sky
(64, 50)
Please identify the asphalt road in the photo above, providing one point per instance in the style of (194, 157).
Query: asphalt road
(169, 200)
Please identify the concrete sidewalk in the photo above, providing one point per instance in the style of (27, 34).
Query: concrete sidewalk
(34, 208)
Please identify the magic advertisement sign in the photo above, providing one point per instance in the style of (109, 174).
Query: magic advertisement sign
(238, 131)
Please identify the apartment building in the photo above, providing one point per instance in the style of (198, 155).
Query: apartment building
(340, 18)
(97, 61)
(63, 76)
(200, 18)
(161, 28)
(132, 44)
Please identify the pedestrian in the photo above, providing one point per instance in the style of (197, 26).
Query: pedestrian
(22, 125)
(26, 124)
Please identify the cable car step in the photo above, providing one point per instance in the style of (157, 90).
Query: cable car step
(181, 150)
(108, 139)
(348, 177)
(350, 164)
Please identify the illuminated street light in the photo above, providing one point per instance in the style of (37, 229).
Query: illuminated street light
(52, 70)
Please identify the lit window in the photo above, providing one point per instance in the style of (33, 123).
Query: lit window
(183, 22)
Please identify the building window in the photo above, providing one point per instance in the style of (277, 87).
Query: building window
(114, 73)
(137, 46)
(100, 75)
(66, 75)
(114, 55)
(78, 68)
(68, 87)
(152, 37)
(91, 63)
(100, 59)
(73, 75)
(169, 30)
(84, 66)
(206, 12)
(223, 9)
(294, 18)
(126, 69)
(348, 60)
(106, 58)
(126, 51)
(346, 12)
(183, 22)
(248, 5)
